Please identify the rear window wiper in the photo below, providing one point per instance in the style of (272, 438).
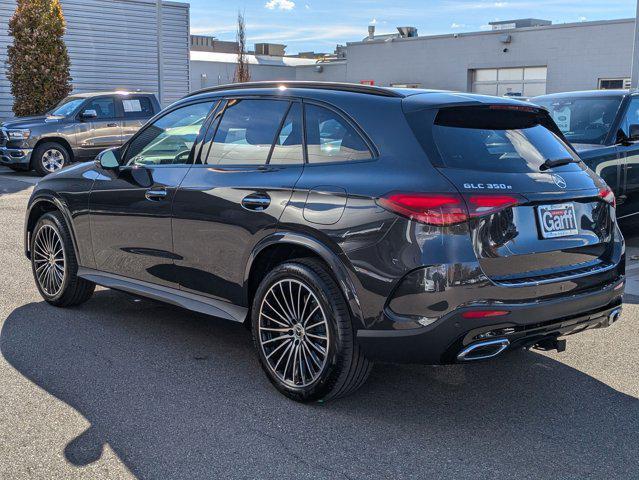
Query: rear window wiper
(548, 164)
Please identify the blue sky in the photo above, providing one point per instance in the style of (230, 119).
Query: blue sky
(320, 24)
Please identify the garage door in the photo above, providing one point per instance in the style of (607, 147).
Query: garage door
(524, 81)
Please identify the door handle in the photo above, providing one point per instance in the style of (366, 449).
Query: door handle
(112, 124)
(256, 202)
(155, 194)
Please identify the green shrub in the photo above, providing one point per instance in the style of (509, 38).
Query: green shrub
(38, 61)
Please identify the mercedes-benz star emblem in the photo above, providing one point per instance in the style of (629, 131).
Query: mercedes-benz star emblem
(559, 181)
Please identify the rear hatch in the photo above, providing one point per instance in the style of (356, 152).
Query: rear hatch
(536, 212)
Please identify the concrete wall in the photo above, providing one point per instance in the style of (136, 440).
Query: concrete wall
(113, 45)
(331, 72)
(577, 55)
(220, 69)
(220, 73)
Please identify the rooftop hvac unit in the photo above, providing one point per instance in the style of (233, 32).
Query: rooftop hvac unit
(407, 32)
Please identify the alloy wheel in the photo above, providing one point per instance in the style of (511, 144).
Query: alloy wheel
(49, 260)
(293, 333)
(52, 160)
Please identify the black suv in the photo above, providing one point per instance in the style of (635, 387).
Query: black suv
(603, 126)
(77, 129)
(344, 224)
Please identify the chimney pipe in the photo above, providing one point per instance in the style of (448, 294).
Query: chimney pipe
(371, 32)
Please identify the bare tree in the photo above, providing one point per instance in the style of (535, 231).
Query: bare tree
(242, 73)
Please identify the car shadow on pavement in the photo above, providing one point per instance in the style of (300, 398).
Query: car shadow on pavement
(9, 185)
(179, 395)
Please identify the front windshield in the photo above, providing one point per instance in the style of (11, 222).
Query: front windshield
(583, 120)
(66, 107)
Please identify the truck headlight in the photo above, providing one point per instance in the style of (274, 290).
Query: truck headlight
(18, 134)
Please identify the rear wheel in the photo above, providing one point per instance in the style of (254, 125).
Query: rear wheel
(303, 333)
(54, 264)
(49, 157)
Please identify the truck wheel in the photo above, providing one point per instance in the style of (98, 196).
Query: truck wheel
(304, 335)
(49, 157)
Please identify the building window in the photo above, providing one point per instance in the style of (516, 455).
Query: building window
(614, 83)
(510, 82)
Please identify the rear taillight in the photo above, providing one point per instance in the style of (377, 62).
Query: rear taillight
(433, 209)
(608, 196)
(480, 205)
(446, 209)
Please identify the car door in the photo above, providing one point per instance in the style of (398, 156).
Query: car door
(130, 208)
(251, 158)
(136, 111)
(629, 152)
(100, 131)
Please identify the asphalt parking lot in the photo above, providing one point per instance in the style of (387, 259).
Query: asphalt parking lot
(123, 387)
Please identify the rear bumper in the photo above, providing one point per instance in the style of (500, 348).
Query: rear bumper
(15, 156)
(525, 325)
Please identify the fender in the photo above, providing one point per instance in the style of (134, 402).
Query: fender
(61, 205)
(336, 264)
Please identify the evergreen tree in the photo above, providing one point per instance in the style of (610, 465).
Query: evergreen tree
(38, 61)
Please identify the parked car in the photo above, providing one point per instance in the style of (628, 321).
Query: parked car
(79, 128)
(603, 126)
(345, 224)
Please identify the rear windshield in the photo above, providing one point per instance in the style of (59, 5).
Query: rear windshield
(583, 120)
(496, 140)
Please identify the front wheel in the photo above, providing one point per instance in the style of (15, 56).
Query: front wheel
(303, 333)
(49, 157)
(55, 265)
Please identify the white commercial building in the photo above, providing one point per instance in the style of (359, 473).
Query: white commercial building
(525, 57)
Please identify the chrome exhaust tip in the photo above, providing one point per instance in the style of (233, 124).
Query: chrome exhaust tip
(483, 350)
(614, 316)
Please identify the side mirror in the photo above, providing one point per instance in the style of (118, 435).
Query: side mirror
(110, 159)
(88, 114)
(634, 133)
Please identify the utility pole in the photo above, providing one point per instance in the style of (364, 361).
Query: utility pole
(635, 53)
(160, 56)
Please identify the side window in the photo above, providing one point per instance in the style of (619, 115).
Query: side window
(632, 116)
(246, 132)
(137, 107)
(169, 140)
(330, 138)
(103, 106)
(288, 148)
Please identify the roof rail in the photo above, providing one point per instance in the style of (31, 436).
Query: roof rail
(338, 86)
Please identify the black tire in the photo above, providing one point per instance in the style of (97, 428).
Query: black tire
(39, 161)
(73, 290)
(344, 369)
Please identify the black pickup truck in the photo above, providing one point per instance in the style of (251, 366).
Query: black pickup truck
(603, 126)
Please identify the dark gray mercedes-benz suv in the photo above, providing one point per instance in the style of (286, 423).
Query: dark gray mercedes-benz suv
(344, 224)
